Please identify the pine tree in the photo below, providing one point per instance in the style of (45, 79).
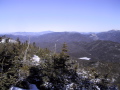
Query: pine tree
(18, 40)
(0, 39)
(10, 64)
(34, 44)
(7, 40)
(59, 68)
(64, 58)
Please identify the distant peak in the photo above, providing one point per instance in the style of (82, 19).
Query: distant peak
(113, 30)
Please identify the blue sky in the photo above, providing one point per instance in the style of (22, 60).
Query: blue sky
(59, 15)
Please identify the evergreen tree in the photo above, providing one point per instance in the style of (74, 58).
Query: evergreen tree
(34, 44)
(18, 40)
(7, 40)
(60, 68)
(0, 39)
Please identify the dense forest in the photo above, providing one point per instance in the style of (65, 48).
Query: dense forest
(24, 63)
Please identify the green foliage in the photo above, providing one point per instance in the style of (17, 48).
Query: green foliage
(55, 68)
(12, 68)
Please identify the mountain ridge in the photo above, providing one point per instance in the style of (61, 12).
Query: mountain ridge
(79, 45)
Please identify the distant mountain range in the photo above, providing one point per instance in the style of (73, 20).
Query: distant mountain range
(27, 33)
(112, 35)
(103, 46)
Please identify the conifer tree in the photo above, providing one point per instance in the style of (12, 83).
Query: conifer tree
(0, 39)
(34, 44)
(18, 40)
(60, 68)
(7, 40)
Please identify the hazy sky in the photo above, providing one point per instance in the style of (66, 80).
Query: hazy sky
(59, 15)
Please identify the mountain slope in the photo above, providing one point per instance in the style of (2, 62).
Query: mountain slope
(80, 45)
(112, 35)
(62, 37)
(104, 50)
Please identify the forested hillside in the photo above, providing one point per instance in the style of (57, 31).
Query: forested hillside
(24, 65)
(112, 35)
(79, 45)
